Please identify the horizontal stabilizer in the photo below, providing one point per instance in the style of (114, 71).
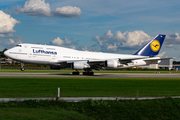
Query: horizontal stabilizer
(161, 54)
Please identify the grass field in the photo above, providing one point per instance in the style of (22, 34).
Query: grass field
(162, 109)
(13, 87)
(88, 87)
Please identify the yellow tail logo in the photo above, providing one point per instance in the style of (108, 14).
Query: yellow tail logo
(155, 45)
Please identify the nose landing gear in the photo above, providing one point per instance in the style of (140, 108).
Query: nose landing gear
(22, 67)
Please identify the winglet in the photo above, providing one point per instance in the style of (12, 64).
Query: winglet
(153, 47)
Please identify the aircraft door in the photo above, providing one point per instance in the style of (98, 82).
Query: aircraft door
(30, 54)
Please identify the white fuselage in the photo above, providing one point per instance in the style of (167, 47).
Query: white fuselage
(52, 55)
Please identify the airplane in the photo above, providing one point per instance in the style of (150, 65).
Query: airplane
(61, 57)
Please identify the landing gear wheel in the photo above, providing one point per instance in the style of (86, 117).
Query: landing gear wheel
(84, 73)
(75, 73)
(22, 69)
(91, 73)
(88, 73)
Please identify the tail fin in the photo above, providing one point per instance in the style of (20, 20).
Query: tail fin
(153, 47)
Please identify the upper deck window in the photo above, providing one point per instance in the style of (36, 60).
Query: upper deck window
(18, 46)
(37, 47)
(51, 48)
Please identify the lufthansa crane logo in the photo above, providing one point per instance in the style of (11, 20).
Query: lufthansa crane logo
(155, 45)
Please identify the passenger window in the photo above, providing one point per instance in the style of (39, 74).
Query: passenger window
(18, 45)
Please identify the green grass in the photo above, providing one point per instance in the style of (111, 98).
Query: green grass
(39, 114)
(162, 109)
(88, 87)
(93, 87)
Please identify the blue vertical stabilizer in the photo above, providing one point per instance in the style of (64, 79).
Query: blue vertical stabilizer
(153, 47)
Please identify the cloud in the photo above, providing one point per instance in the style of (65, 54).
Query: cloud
(7, 24)
(72, 47)
(170, 46)
(84, 48)
(35, 8)
(110, 42)
(172, 39)
(11, 42)
(64, 42)
(67, 11)
(6, 35)
(42, 9)
(57, 41)
(88, 48)
(112, 47)
(176, 48)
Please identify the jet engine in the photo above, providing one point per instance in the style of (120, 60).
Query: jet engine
(112, 64)
(80, 65)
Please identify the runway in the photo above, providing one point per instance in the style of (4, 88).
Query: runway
(96, 75)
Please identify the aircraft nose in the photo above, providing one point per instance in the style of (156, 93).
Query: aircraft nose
(6, 53)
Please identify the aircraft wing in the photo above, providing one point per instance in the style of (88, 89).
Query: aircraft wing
(158, 59)
(102, 63)
(99, 61)
(124, 60)
(89, 61)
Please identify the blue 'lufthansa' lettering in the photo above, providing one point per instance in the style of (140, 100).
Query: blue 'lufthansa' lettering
(44, 52)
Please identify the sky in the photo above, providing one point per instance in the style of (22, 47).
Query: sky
(112, 26)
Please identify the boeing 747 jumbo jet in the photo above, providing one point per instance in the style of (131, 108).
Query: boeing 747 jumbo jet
(60, 57)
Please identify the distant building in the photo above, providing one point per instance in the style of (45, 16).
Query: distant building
(7, 61)
(2, 60)
(164, 64)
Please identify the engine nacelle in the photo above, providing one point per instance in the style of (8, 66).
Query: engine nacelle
(55, 67)
(140, 62)
(112, 64)
(80, 65)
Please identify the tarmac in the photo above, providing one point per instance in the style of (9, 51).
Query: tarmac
(96, 75)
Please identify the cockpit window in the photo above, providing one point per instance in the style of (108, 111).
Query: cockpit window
(18, 46)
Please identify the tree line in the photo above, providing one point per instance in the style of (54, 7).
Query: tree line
(2, 53)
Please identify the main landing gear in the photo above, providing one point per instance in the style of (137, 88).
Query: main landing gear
(75, 73)
(87, 72)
